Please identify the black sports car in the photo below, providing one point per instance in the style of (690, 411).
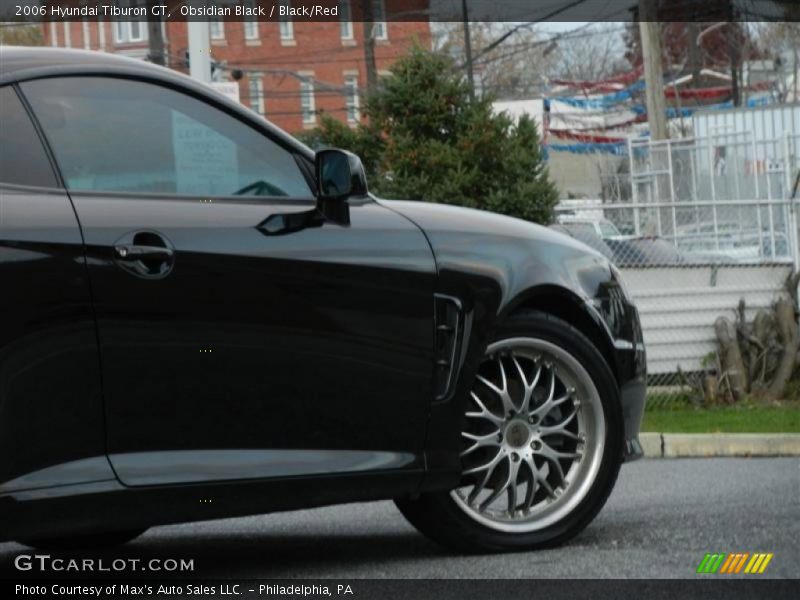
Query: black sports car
(201, 318)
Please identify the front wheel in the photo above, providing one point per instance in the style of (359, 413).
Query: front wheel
(541, 443)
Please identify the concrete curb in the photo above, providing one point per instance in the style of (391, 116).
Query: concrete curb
(703, 445)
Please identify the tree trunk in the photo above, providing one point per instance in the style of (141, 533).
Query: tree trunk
(731, 357)
(787, 330)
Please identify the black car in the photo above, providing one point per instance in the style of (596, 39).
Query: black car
(201, 318)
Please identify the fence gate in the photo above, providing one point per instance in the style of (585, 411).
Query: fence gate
(709, 222)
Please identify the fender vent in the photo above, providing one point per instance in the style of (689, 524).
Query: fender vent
(448, 334)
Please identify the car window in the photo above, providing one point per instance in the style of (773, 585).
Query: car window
(23, 160)
(607, 228)
(118, 135)
(577, 229)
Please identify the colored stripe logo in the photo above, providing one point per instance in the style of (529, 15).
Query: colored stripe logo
(733, 563)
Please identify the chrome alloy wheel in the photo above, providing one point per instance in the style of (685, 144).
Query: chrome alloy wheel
(534, 437)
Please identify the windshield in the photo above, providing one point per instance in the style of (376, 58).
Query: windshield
(607, 228)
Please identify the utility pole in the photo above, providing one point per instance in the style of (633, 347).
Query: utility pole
(199, 51)
(468, 49)
(733, 47)
(369, 44)
(155, 38)
(654, 77)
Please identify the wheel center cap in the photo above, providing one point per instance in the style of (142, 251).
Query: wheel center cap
(517, 434)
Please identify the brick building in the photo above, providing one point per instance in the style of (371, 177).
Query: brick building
(291, 70)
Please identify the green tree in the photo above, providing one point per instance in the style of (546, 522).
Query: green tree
(20, 34)
(425, 140)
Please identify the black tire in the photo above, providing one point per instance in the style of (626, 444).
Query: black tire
(437, 515)
(109, 539)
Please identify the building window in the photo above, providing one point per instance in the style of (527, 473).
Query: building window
(379, 29)
(307, 101)
(345, 20)
(351, 98)
(250, 23)
(285, 22)
(255, 89)
(216, 30)
(126, 32)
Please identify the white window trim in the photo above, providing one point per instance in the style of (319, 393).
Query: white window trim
(351, 98)
(123, 30)
(285, 24)
(286, 30)
(346, 26)
(53, 34)
(221, 34)
(376, 23)
(251, 22)
(142, 31)
(251, 34)
(258, 104)
(307, 90)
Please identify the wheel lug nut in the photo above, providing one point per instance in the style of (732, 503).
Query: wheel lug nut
(515, 457)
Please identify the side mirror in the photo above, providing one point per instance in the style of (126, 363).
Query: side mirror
(340, 175)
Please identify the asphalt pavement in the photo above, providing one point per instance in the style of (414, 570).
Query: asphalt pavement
(661, 519)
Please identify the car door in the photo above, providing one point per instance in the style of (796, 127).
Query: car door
(241, 337)
(51, 413)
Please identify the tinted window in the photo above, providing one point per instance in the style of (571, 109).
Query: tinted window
(22, 157)
(126, 136)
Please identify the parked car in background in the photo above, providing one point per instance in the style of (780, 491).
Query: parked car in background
(586, 233)
(735, 241)
(641, 251)
(601, 226)
(623, 251)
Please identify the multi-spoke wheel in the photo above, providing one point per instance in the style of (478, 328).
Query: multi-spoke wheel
(540, 442)
(534, 436)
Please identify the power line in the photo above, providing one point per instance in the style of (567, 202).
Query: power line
(513, 30)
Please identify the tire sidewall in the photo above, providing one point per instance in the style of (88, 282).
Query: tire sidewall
(474, 536)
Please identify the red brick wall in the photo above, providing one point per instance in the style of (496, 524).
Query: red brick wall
(317, 51)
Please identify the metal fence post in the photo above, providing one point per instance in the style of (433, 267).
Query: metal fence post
(787, 176)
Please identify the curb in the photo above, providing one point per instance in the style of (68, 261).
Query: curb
(703, 445)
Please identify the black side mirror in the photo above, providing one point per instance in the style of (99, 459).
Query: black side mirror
(340, 175)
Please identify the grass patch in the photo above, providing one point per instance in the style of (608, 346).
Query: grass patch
(724, 419)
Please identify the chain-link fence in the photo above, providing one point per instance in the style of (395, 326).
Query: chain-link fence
(701, 228)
